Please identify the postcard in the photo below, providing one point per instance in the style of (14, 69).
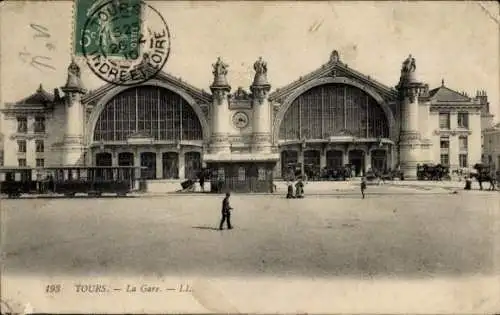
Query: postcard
(249, 157)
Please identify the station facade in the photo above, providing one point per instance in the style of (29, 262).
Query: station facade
(328, 118)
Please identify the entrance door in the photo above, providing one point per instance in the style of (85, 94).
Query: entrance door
(357, 159)
(126, 159)
(170, 161)
(289, 160)
(148, 159)
(379, 160)
(192, 162)
(334, 159)
(103, 159)
(312, 164)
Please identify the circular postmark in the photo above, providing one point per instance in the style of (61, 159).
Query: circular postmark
(125, 42)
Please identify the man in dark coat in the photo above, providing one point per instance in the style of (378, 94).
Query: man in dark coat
(363, 187)
(226, 213)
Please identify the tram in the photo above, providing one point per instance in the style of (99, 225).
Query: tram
(70, 180)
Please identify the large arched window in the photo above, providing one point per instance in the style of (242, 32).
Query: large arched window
(334, 109)
(157, 112)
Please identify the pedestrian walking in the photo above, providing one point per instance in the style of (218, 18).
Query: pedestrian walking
(363, 187)
(201, 179)
(226, 213)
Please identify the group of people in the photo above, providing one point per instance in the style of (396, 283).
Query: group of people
(299, 189)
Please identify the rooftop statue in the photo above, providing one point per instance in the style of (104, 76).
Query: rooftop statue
(409, 65)
(220, 68)
(260, 66)
(74, 69)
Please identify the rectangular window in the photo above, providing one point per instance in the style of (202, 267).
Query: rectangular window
(21, 162)
(463, 143)
(445, 159)
(241, 173)
(262, 173)
(39, 146)
(21, 146)
(40, 124)
(444, 120)
(462, 160)
(40, 162)
(22, 124)
(463, 120)
(221, 175)
(445, 143)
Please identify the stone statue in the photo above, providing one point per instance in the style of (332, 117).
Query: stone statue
(409, 65)
(74, 69)
(220, 68)
(260, 66)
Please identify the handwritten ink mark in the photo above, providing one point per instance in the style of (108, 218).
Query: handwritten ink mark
(42, 30)
(35, 60)
(488, 13)
(315, 26)
(50, 46)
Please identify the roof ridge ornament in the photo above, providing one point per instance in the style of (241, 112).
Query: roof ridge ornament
(442, 82)
(334, 57)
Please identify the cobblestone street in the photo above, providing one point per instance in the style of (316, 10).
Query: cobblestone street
(395, 231)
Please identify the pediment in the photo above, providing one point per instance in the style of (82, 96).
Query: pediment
(334, 69)
(444, 94)
(199, 95)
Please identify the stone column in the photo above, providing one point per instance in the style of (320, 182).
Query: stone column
(182, 165)
(322, 157)
(368, 160)
(261, 109)
(73, 146)
(220, 110)
(409, 91)
(137, 162)
(114, 158)
(159, 164)
(345, 156)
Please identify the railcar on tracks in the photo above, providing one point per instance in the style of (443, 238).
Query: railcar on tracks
(71, 180)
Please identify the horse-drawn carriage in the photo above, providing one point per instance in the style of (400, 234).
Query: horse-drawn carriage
(336, 174)
(484, 173)
(433, 172)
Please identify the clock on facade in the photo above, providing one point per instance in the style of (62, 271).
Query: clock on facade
(240, 120)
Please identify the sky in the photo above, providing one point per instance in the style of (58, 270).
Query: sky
(454, 41)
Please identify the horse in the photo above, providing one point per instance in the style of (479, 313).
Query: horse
(482, 177)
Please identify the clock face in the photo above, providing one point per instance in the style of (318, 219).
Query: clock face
(240, 120)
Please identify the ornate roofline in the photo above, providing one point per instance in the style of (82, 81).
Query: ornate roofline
(325, 69)
(204, 96)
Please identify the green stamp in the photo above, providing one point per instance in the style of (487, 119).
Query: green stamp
(125, 42)
(112, 26)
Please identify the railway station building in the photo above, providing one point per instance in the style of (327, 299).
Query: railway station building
(333, 116)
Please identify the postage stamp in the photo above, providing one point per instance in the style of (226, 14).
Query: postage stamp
(125, 42)
(249, 157)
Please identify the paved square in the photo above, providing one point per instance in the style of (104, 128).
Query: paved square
(393, 232)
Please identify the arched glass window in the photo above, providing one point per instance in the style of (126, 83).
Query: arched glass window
(157, 112)
(334, 109)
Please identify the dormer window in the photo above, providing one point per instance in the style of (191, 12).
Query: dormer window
(22, 124)
(40, 124)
